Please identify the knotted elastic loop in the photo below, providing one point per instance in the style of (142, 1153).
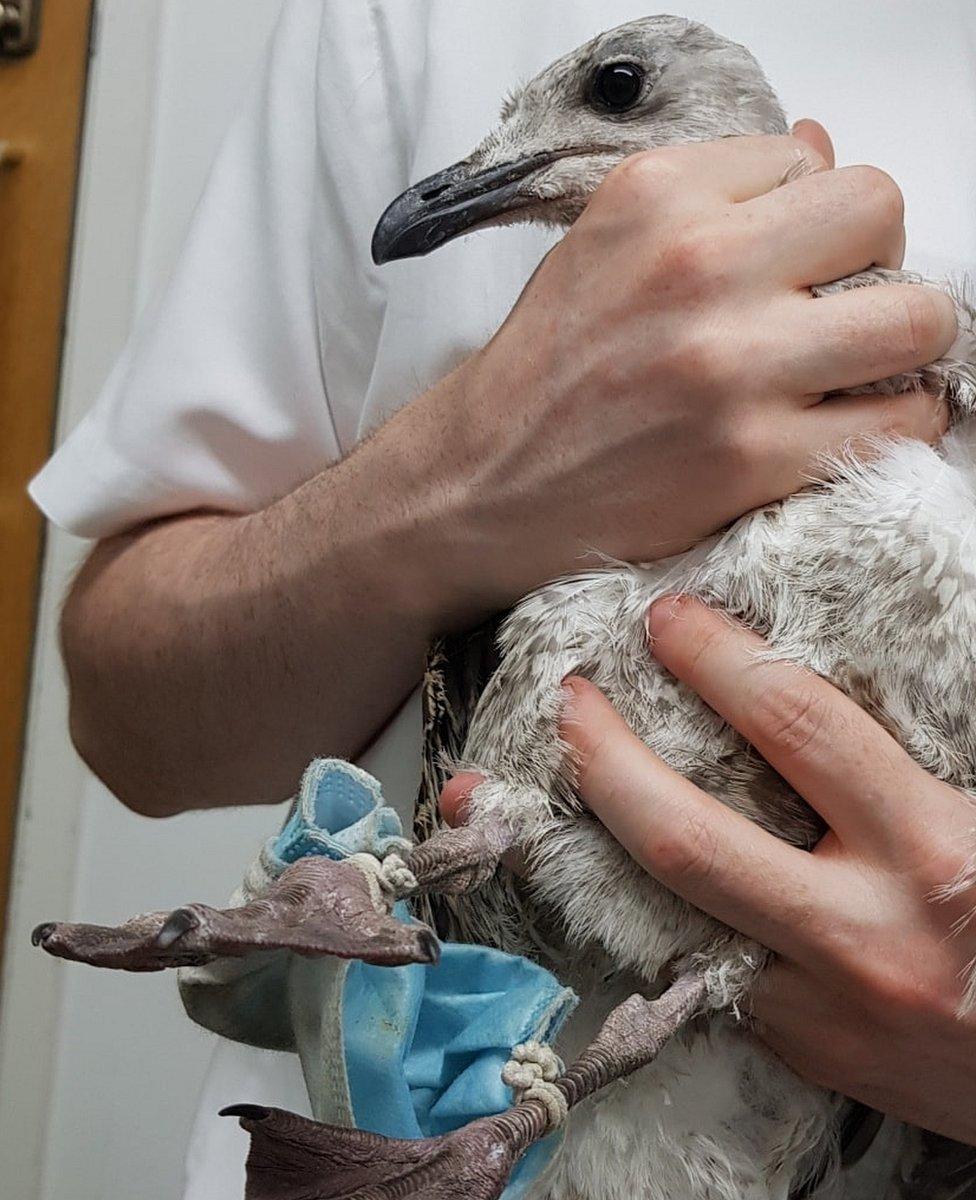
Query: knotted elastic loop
(397, 876)
(389, 879)
(531, 1073)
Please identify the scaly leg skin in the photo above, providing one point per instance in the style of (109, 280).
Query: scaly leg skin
(460, 860)
(317, 906)
(293, 1157)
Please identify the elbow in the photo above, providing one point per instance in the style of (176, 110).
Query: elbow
(97, 748)
(106, 729)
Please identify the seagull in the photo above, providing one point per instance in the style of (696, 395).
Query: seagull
(868, 579)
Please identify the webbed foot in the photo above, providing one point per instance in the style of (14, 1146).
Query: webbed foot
(292, 1157)
(317, 906)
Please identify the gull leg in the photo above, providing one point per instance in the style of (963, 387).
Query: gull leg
(460, 860)
(632, 1036)
(317, 906)
(291, 1156)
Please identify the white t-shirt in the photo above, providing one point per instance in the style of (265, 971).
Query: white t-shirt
(277, 344)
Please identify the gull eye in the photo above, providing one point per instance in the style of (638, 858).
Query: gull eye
(617, 86)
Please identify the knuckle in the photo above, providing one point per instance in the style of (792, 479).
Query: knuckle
(899, 996)
(685, 855)
(747, 441)
(696, 361)
(898, 987)
(647, 173)
(878, 189)
(941, 865)
(695, 258)
(934, 1003)
(945, 871)
(791, 717)
(923, 323)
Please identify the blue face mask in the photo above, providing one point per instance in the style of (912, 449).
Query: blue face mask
(423, 1046)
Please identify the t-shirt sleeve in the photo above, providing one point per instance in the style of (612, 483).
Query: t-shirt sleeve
(219, 400)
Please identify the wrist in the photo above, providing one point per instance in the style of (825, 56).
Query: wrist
(485, 533)
(465, 550)
(402, 522)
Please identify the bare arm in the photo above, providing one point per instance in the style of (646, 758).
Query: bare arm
(211, 655)
(660, 375)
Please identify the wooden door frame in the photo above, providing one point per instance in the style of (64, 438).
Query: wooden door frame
(42, 100)
(105, 277)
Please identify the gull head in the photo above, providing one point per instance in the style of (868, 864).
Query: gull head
(653, 82)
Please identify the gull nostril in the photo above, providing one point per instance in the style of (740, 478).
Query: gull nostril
(433, 193)
(42, 932)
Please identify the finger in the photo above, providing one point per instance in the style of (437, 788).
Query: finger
(456, 794)
(858, 419)
(858, 337)
(731, 169)
(454, 804)
(715, 858)
(843, 427)
(840, 760)
(814, 134)
(808, 445)
(828, 226)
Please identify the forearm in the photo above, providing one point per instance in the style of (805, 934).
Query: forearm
(211, 656)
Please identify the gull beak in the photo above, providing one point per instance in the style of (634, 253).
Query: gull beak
(445, 205)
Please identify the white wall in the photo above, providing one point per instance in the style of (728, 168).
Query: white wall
(99, 1072)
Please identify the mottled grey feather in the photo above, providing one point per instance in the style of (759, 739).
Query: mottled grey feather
(869, 580)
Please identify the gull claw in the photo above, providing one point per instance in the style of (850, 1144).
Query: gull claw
(40, 932)
(179, 922)
(317, 906)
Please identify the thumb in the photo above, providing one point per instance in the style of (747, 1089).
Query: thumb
(814, 134)
(455, 796)
(453, 805)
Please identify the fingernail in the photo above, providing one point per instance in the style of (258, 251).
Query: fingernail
(663, 611)
(941, 420)
(568, 688)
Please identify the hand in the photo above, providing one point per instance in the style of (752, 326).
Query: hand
(663, 370)
(868, 992)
